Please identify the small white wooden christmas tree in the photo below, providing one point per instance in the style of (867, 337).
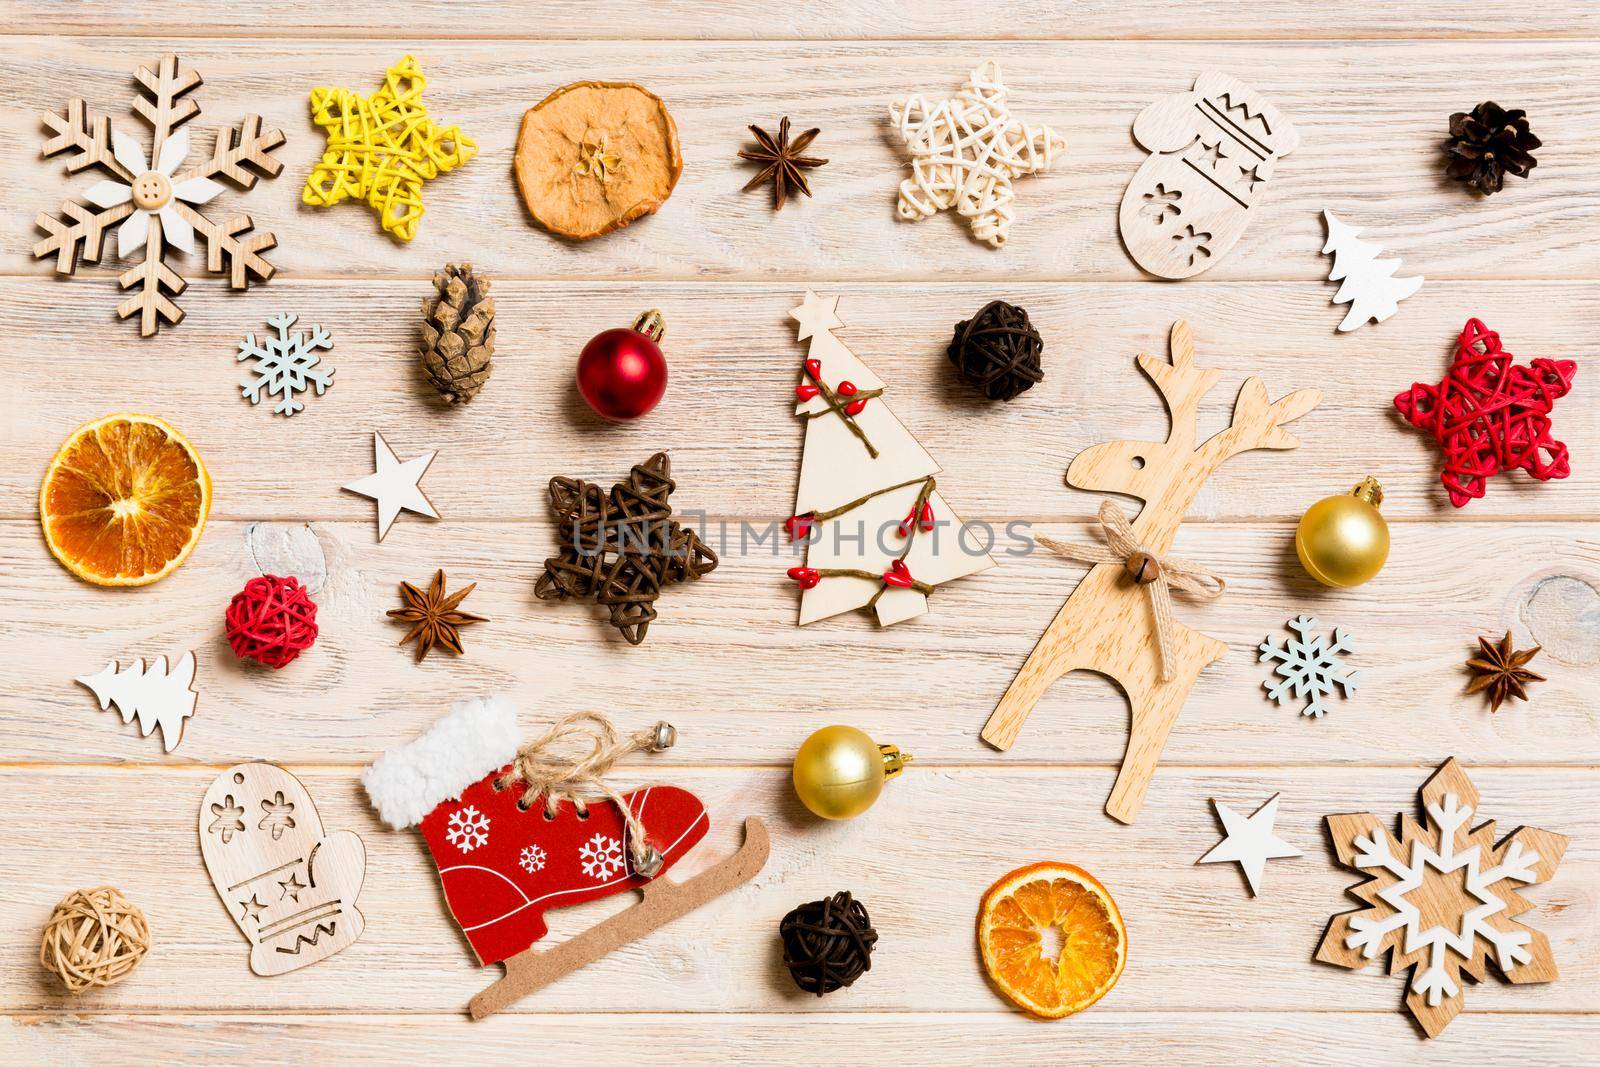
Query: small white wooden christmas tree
(155, 696)
(1368, 283)
(880, 535)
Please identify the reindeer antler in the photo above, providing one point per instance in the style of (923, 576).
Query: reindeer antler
(1259, 424)
(1182, 383)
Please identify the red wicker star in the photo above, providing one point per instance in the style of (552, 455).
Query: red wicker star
(1491, 416)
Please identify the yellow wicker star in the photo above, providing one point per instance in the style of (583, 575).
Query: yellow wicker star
(383, 147)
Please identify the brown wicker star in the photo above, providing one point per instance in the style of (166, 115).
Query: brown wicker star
(621, 548)
(1501, 671)
(784, 165)
(435, 617)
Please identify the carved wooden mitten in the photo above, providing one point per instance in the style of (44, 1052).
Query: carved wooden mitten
(291, 889)
(1212, 152)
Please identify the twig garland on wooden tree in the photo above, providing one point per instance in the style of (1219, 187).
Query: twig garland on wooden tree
(156, 207)
(1491, 415)
(622, 548)
(1109, 624)
(861, 464)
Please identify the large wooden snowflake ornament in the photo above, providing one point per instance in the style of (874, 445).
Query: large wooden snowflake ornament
(153, 204)
(1442, 898)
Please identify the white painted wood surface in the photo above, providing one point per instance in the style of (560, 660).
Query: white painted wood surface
(1211, 972)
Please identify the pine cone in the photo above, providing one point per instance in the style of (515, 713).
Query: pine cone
(458, 334)
(1487, 143)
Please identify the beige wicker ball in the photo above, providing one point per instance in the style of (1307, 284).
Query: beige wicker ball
(95, 937)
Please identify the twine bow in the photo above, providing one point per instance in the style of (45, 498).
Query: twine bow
(1160, 575)
(555, 768)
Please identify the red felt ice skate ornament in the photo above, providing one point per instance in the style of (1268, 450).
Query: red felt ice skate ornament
(1490, 415)
(517, 831)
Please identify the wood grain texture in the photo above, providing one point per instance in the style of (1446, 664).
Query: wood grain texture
(728, 418)
(725, 956)
(84, 799)
(1372, 121)
(832, 19)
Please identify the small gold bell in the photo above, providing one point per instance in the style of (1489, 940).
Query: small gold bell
(839, 771)
(1343, 540)
(1142, 568)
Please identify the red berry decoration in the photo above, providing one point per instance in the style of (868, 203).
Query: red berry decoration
(808, 577)
(899, 575)
(622, 373)
(271, 620)
(1491, 416)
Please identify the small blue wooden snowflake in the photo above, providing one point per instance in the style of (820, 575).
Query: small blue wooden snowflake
(1308, 667)
(285, 365)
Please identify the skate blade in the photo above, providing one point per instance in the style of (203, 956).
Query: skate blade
(664, 900)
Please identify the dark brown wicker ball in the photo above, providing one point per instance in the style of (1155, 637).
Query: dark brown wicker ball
(827, 944)
(998, 351)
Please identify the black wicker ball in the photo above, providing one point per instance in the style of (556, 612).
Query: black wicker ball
(998, 351)
(827, 944)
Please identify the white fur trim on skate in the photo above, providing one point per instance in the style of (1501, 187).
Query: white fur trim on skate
(476, 737)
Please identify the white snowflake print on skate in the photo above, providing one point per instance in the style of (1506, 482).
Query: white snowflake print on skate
(285, 365)
(468, 829)
(601, 857)
(532, 859)
(1444, 898)
(1308, 667)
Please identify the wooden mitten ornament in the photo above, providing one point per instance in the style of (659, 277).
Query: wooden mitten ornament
(1118, 621)
(1212, 151)
(513, 836)
(291, 889)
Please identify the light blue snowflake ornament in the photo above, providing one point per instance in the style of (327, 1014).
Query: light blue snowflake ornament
(285, 365)
(1308, 667)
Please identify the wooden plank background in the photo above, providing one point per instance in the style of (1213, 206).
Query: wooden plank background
(1212, 973)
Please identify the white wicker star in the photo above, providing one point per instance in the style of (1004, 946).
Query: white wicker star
(966, 150)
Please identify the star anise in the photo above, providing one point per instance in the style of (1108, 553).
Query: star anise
(434, 618)
(1502, 671)
(785, 166)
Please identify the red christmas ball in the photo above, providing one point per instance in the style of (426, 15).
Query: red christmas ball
(622, 373)
(271, 620)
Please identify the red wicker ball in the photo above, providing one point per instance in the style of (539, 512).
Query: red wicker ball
(272, 620)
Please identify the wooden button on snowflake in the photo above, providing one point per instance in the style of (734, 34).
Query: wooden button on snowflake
(382, 148)
(1442, 900)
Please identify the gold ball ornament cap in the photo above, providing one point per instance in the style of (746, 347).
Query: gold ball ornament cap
(1343, 540)
(839, 771)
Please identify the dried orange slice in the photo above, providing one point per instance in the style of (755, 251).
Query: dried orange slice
(124, 500)
(1014, 919)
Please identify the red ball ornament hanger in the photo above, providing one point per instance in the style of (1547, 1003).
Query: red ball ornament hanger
(622, 373)
(1491, 415)
(271, 620)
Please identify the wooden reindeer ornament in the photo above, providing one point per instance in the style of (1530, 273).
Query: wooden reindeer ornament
(1112, 624)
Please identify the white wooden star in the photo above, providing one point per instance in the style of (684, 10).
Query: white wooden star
(394, 485)
(1249, 842)
(965, 151)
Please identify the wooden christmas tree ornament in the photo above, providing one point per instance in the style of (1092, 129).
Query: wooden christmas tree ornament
(1366, 282)
(1212, 151)
(154, 206)
(290, 888)
(1442, 900)
(879, 536)
(155, 696)
(1115, 622)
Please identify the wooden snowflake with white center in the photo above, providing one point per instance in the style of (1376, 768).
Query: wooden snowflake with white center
(153, 204)
(1442, 899)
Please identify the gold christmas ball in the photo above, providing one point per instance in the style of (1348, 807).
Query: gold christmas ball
(839, 771)
(1343, 540)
